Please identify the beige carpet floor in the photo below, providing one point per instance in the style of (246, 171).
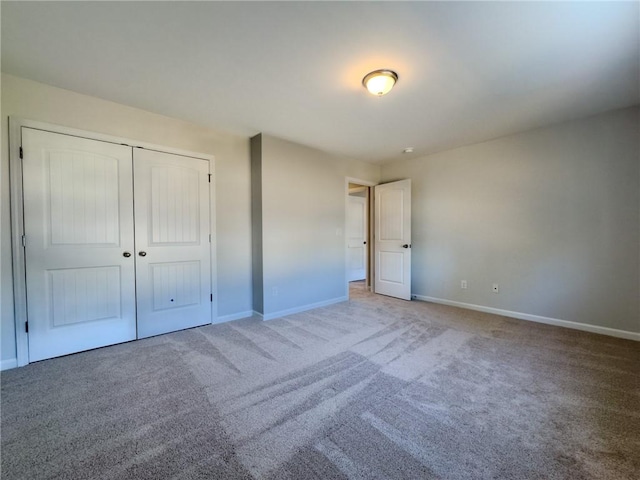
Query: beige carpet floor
(373, 388)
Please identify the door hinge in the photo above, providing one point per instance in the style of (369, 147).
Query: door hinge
(26, 327)
(21, 153)
(209, 238)
(24, 241)
(211, 297)
(209, 175)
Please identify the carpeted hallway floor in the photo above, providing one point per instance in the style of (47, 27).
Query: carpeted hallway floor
(373, 388)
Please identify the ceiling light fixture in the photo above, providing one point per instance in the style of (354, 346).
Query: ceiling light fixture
(408, 150)
(380, 82)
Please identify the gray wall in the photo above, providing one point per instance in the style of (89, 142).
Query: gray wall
(303, 220)
(256, 223)
(40, 102)
(552, 215)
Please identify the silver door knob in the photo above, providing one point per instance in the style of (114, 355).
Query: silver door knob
(126, 254)
(142, 254)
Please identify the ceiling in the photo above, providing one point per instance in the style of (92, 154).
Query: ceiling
(468, 71)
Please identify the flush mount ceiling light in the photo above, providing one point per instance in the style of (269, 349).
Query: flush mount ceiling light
(380, 82)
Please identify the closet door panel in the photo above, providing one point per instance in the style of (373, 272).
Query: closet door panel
(173, 281)
(78, 219)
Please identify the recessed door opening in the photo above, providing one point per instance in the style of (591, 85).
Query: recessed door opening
(357, 233)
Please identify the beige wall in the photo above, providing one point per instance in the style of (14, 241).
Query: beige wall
(40, 102)
(303, 221)
(552, 215)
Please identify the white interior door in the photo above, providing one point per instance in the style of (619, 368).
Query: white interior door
(393, 239)
(78, 225)
(173, 262)
(356, 238)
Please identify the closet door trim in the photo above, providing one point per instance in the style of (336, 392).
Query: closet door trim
(16, 125)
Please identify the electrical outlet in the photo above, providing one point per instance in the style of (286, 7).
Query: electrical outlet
(496, 288)
(463, 284)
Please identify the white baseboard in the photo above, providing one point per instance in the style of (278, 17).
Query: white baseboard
(259, 315)
(612, 332)
(304, 308)
(8, 364)
(233, 316)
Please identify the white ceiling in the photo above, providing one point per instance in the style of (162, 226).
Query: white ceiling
(469, 71)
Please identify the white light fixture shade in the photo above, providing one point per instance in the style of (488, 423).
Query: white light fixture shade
(380, 82)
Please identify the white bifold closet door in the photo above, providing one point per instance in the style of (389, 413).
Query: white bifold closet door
(95, 274)
(173, 271)
(78, 221)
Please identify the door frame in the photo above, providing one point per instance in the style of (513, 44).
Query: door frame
(17, 215)
(370, 242)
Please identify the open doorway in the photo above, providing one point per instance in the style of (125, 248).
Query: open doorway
(357, 233)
